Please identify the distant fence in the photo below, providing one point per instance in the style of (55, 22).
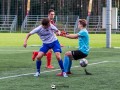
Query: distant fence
(118, 24)
(95, 25)
(30, 22)
(8, 23)
(63, 22)
(66, 22)
(69, 23)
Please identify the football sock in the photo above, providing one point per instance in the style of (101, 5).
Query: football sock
(61, 65)
(38, 65)
(66, 63)
(69, 66)
(49, 58)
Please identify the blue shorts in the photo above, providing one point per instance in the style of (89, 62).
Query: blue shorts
(55, 46)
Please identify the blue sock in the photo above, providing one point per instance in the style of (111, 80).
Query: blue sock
(66, 63)
(61, 65)
(38, 65)
(69, 66)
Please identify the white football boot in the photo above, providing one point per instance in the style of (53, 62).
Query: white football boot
(37, 74)
(64, 74)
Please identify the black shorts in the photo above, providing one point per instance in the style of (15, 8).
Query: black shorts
(77, 54)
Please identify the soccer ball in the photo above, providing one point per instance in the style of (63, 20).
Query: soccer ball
(83, 62)
(53, 86)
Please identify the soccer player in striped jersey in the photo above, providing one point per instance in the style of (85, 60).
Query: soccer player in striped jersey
(46, 33)
(51, 15)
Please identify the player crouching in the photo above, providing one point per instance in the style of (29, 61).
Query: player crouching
(83, 50)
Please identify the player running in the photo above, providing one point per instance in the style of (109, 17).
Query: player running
(50, 41)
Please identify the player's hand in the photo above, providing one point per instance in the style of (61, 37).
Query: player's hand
(63, 33)
(25, 45)
(58, 33)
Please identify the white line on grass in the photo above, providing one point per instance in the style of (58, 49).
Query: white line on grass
(17, 50)
(104, 51)
(36, 50)
(116, 47)
(93, 63)
(48, 71)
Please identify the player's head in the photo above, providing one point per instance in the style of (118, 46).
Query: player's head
(51, 14)
(82, 23)
(45, 22)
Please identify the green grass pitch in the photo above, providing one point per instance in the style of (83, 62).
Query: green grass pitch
(104, 64)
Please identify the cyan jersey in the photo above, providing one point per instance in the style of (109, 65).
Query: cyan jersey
(46, 35)
(83, 40)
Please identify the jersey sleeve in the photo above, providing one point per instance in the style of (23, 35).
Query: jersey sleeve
(54, 28)
(36, 30)
(81, 33)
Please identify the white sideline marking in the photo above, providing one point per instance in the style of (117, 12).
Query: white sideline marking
(93, 63)
(116, 47)
(48, 71)
(33, 50)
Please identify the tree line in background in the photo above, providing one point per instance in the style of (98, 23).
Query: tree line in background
(62, 7)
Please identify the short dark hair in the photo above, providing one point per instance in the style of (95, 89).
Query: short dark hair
(50, 10)
(83, 22)
(45, 22)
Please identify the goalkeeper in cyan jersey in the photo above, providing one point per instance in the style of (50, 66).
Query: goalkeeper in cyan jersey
(83, 50)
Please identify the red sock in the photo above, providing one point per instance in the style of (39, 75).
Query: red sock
(49, 57)
(34, 54)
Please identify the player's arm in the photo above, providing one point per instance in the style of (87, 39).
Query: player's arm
(26, 39)
(72, 36)
(29, 34)
(57, 32)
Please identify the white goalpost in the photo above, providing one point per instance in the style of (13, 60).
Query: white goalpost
(108, 23)
(111, 21)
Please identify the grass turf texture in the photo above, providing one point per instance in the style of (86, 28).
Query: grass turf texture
(17, 39)
(16, 60)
